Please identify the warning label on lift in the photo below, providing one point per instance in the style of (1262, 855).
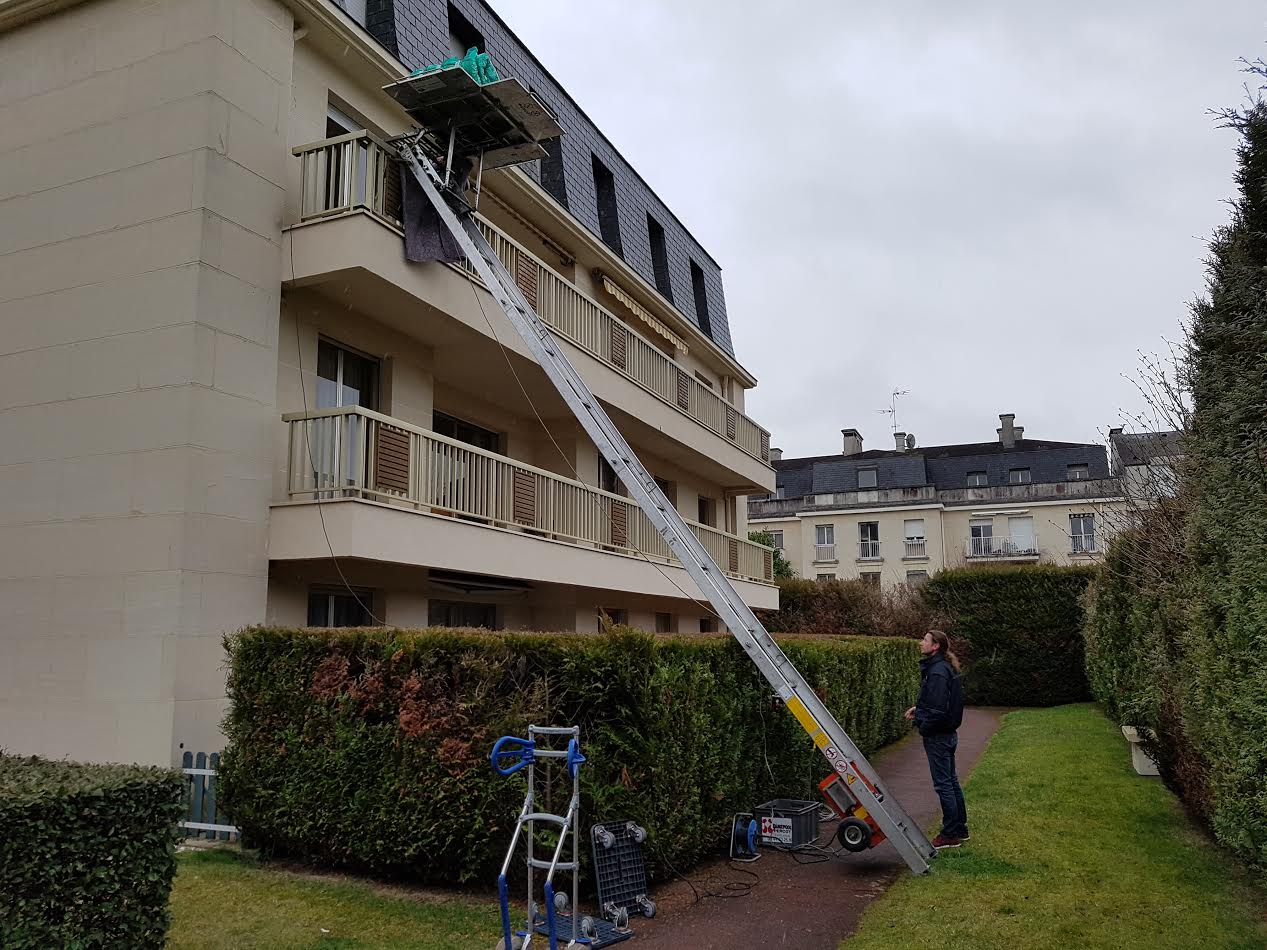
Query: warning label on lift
(776, 830)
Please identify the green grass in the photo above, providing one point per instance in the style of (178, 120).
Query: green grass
(1070, 848)
(226, 899)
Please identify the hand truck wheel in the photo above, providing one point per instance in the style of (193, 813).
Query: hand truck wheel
(854, 834)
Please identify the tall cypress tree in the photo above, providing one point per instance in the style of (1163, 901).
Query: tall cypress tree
(1226, 466)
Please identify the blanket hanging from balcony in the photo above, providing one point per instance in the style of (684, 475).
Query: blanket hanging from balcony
(477, 65)
(426, 237)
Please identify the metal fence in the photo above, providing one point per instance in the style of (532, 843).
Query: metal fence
(203, 817)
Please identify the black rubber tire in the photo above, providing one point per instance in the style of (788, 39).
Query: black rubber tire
(854, 835)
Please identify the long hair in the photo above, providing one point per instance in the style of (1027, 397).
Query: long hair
(943, 647)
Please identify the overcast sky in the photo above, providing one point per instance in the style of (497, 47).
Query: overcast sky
(992, 205)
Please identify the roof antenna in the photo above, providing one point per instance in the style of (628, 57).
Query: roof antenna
(891, 412)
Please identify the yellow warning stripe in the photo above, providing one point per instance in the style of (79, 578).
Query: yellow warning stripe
(807, 721)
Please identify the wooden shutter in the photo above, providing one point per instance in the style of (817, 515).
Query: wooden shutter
(528, 277)
(620, 523)
(620, 347)
(525, 489)
(768, 566)
(683, 390)
(733, 554)
(391, 459)
(732, 422)
(391, 191)
(765, 446)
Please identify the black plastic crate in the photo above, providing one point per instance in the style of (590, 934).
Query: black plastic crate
(787, 822)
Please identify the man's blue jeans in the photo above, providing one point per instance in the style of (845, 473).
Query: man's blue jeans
(941, 762)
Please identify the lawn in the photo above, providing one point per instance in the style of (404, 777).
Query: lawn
(227, 899)
(1070, 848)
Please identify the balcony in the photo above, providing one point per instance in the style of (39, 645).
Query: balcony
(833, 501)
(914, 548)
(869, 551)
(1082, 544)
(824, 554)
(356, 454)
(1000, 549)
(355, 174)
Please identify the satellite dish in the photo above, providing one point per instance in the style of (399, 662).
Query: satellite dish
(910, 440)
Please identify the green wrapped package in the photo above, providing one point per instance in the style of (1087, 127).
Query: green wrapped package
(477, 65)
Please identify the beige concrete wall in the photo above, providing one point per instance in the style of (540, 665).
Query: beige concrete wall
(893, 565)
(1051, 528)
(140, 212)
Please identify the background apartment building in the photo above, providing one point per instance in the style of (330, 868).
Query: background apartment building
(894, 516)
(229, 399)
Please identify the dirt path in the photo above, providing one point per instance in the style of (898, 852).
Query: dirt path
(806, 906)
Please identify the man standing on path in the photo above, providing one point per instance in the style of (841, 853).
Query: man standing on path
(938, 713)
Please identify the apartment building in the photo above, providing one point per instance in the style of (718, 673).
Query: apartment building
(899, 515)
(229, 399)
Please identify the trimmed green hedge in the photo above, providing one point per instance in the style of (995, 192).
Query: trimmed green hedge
(1021, 631)
(87, 853)
(369, 749)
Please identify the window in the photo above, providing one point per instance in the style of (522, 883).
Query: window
(776, 540)
(978, 479)
(668, 487)
(462, 35)
(1018, 476)
(981, 538)
(778, 491)
(707, 624)
(612, 617)
(825, 542)
(915, 578)
(444, 613)
(608, 215)
(826, 577)
(1021, 535)
(552, 177)
(867, 477)
(871, 577)
(1076, 473)
(869, 539)
(607, 480)
(340, 608)
(345, 378)
(913, 537)
(659, 258)
(703, 379)
(707, 511)
(664, 623)
(1082, 534)
(454, 428)
(701, 300)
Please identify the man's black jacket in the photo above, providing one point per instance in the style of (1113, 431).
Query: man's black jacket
(939, 709)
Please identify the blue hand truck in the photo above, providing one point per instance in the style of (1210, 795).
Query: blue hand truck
(511, 754)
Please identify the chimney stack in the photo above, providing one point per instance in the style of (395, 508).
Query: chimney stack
(776, 455)
(899, 441)
(1008, 431)
(853, 441)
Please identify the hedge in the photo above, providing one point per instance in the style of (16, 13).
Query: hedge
(849, 606)
(368, 749)
(1021, 631)
(87, 853)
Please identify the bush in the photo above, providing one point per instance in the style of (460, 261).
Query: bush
(87, 853)
(369, 749)
(1021, 631)
(852, 607)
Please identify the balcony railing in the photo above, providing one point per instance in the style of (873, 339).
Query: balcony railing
(1001, 548)
(868, 550)
(914, 547)
(355, 172)
(356, 453)
(1082, 544)
(824, 552)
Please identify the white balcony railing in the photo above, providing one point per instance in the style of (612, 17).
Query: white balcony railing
(868, 550)
(1000, 548)
(1082, 544)
(824, 552)
(356, 453)
(914, 547)
(355, 172)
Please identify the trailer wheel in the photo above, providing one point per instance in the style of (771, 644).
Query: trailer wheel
(854, 834)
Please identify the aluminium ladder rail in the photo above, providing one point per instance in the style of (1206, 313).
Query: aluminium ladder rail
(830, 737)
